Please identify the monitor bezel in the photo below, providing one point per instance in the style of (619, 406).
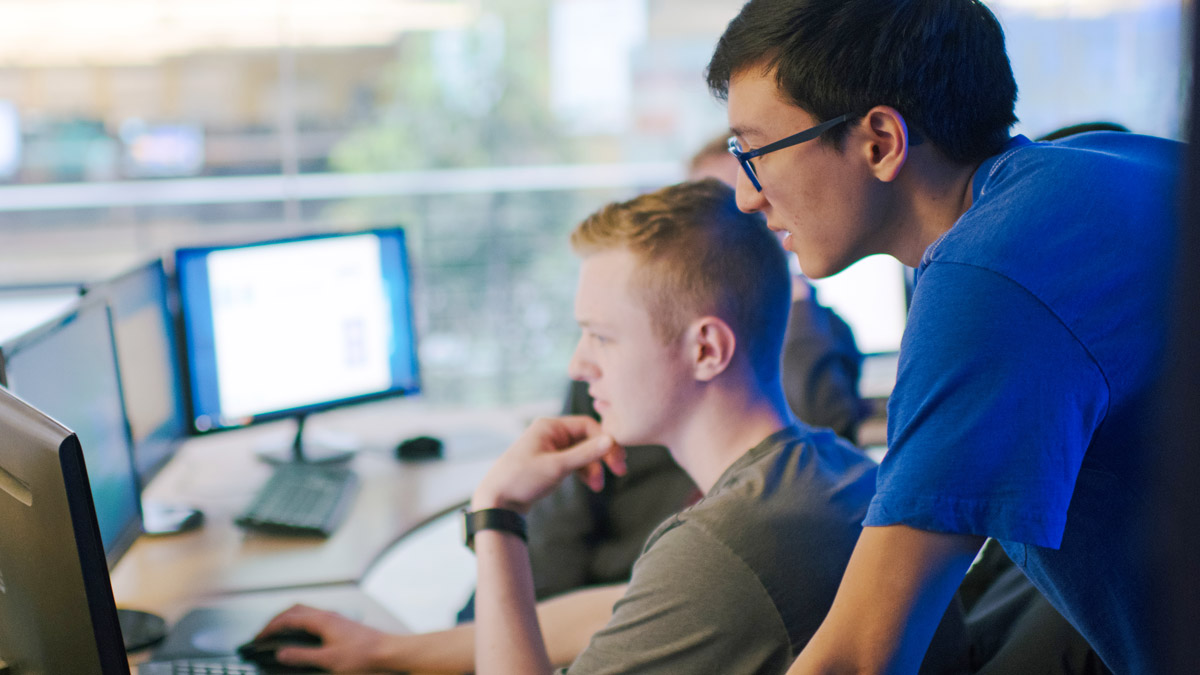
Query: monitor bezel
(189, 340)
(132, 529)
(58, 478)
(107, 289)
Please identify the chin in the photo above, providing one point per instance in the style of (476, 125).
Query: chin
(821, 268)
(620, 434)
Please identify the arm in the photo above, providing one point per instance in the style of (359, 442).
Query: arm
(349, 646)
(507, 637)
(896, 588)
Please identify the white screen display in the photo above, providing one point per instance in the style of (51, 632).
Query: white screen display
(870, 295)
(299, 323)
(22, 312)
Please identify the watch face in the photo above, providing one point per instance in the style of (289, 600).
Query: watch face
(468, 537)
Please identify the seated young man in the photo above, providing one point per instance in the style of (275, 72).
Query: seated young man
(580, 538)
(683, 304)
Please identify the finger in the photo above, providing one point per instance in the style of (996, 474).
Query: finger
(584, 453)
(301, 656)
(615, 459)
(592, 475)
(577, 427)
(296, 616)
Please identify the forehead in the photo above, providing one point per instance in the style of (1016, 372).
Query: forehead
(604, 291)
(759, 111)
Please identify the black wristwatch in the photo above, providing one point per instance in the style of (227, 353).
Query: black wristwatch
(505, 520)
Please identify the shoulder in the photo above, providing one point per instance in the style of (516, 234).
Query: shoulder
(808, 483)
(792, 474)
(800, 500)
(1101, 156)
(1081, 227)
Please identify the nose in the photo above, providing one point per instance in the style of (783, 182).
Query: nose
(581, 368)
(749, 200)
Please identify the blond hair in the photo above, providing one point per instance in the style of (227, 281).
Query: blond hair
(699, 255)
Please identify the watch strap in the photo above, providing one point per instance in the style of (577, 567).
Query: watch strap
(505, 520)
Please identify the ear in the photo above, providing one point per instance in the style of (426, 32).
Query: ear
(886, 142)
(712, 345)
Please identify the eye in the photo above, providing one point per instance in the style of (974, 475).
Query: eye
(598, 338)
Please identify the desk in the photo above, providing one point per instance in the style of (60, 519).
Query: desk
(221, 564)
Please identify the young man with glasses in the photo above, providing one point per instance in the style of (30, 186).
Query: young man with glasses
(1028, 366)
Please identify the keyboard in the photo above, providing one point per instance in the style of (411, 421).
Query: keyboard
(302, 499)
(199, 667)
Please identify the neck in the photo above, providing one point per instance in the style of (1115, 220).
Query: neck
(934, 193)
(725, 423)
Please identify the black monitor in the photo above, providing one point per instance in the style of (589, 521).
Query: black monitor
(55, 619)
(293, 326)
(148, 358)
(68, 369)
(148, 355)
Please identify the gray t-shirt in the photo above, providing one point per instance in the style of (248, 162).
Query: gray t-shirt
(740, 581)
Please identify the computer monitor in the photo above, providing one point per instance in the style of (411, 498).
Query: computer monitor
(293, 326)
(148, 360)
(55, 617)
(872, 296)
(148, 356)
(67, 368)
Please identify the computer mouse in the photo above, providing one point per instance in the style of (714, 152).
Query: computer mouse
(419, 448)
(261, 651)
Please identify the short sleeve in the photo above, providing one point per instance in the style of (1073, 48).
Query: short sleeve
(692, 607)
(993, 410)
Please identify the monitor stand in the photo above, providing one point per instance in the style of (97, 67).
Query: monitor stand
(310, 452)
(140, 629)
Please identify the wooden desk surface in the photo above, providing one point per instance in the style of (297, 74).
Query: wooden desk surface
(233, 620)
(220, 473)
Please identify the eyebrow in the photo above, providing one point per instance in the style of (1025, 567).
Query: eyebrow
(749, 133)
(590, 324)
(743, 132)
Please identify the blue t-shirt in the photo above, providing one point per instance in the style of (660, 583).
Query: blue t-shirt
(1024, 393)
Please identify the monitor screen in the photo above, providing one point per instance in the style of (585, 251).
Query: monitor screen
(293, 326)
(25, 307)
(148, 355)
(57, 615)
(67, 368)
(872, 296)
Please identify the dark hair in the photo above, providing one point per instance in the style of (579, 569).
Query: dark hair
(698, 254)
(941, 63)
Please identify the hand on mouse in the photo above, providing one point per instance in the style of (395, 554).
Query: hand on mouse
(346, 645)
(540, 458)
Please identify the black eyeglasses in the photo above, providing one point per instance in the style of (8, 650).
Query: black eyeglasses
(744, 158)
